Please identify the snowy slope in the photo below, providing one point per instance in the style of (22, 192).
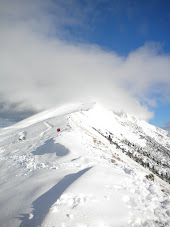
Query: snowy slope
(92, 173)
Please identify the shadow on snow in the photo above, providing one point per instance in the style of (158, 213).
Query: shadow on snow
(51, 147)
(42, 205)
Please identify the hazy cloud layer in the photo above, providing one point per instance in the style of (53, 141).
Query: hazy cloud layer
(167, 126)
(40, 70)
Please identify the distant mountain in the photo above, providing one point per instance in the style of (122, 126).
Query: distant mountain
(167, 126)
(84, 165)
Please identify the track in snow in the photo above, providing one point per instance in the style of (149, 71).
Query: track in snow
(42, 205)
(48, 128)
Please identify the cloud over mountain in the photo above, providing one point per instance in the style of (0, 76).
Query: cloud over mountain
(40, 69)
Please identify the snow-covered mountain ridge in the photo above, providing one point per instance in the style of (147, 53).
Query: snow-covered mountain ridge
(91, 173)
(146, 144)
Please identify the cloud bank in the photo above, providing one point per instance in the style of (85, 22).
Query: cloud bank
(40, 69)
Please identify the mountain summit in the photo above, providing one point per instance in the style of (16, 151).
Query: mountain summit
(83, 165)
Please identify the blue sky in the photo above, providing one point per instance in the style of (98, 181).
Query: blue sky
(123, 26)
(162, 115)
(54, 52)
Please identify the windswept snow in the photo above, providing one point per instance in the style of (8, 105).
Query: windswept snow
(80, 176)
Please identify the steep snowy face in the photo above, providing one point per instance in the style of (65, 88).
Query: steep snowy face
(144, 143)
(88, 173)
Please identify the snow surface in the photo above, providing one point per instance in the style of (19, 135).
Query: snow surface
(76, 177)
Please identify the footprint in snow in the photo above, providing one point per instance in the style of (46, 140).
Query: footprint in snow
(70, 216)
(71, 201)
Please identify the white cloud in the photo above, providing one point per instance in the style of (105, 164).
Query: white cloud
(40, 72)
